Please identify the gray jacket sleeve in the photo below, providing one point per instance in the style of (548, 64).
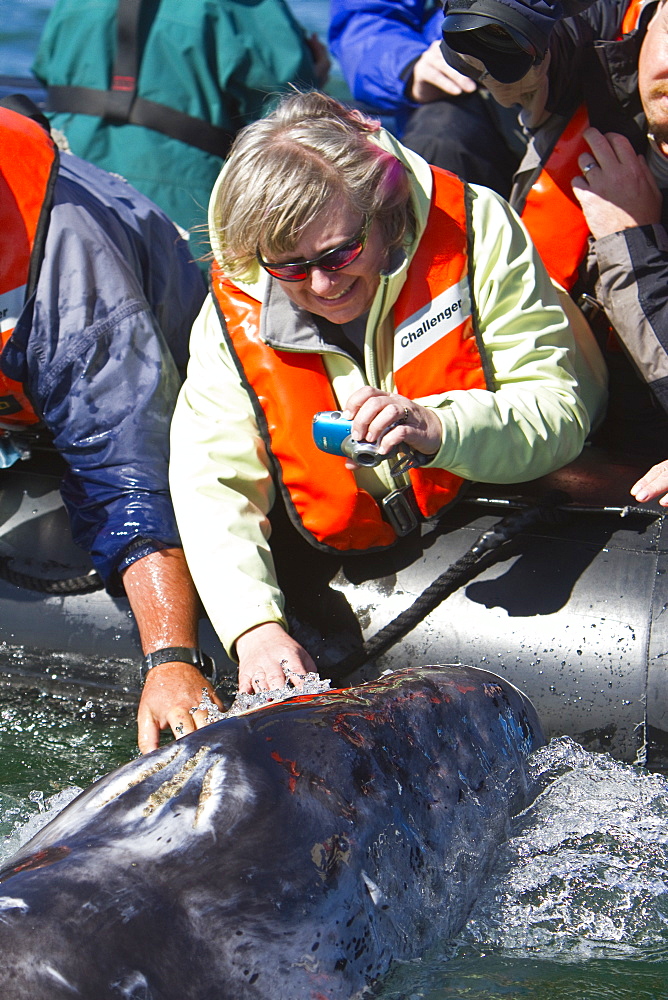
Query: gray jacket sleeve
(632, 281)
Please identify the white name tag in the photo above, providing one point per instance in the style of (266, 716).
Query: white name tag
(11, 304)
(428, 325)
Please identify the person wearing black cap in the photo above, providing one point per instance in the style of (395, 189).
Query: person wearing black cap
(505, 45)
(592, 187)
(389, 52)
(508, 37)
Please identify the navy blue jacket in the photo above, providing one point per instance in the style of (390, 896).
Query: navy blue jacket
(99, 348)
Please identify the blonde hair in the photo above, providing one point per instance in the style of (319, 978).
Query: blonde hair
(285, 169)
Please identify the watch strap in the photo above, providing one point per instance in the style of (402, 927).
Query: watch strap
(180, 654)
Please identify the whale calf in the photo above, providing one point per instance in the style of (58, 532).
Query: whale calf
(291, 853)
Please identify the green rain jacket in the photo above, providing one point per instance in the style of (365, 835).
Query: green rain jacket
(215, 60)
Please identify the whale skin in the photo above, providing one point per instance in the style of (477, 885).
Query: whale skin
(290, 853)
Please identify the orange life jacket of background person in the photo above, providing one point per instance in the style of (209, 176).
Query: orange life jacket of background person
(28, 166)
(551, 212)
(435, 349)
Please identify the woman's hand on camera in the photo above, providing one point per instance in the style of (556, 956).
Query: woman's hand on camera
(389, 420)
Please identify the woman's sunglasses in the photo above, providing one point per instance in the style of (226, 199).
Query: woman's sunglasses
(332, 260)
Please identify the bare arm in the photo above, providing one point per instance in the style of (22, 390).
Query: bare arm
(164, 602)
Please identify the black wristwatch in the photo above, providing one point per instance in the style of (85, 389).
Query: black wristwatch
(180, 654)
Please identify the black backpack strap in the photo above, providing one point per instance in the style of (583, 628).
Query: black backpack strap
(120, 103)
(23, 105)
(159, 117)
(123, 92)
(194, 131)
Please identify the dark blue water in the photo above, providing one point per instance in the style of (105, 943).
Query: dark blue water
(577, 906)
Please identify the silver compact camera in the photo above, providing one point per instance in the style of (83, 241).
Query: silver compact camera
(331, 433)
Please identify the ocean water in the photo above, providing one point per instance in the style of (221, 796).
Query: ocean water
(577, 905)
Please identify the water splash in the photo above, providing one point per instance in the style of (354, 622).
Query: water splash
(586, 874)
(311, 684)
(26, 827)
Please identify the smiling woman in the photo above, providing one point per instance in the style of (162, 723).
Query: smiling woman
(342, 293)
(272, 191)
(351, 276)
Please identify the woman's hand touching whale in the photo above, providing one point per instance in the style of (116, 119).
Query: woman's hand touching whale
(268, 656)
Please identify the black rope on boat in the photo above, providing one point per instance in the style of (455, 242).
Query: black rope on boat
(85, 584)
(546, 509)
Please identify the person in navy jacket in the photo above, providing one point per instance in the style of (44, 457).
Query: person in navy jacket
(100, 293)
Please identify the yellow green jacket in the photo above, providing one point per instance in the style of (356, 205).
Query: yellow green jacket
(535, 419)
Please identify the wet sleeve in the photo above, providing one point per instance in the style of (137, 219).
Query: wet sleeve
(100, 374)
(108, 399)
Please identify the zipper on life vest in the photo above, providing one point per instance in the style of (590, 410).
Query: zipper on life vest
(373, 348)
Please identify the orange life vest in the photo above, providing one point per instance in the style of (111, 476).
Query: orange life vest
(28, 165)
(551, 212)
(435, 350)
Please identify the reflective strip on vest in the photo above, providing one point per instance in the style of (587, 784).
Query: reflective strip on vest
(437, 349)
(29, 158)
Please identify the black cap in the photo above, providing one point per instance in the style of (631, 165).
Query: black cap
(507, 36)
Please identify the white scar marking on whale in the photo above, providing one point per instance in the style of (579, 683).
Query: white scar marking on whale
(54, 974)
(165, 820)
(128, 778)
(374, 890)
(11, 903)
(169, 789)
(213, 790)
(130, 983)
